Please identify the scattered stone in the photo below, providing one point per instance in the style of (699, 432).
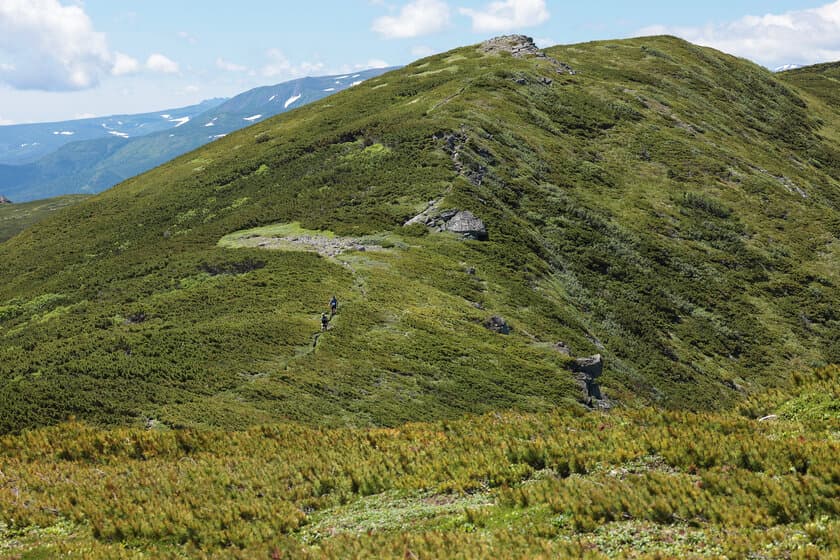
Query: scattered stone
(471, 271)
(563, 348)
(768, 417)
(521, 81)
(4, 200)
(497, 325)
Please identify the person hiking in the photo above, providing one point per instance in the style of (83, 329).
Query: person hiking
(325, 321)
(333, 305)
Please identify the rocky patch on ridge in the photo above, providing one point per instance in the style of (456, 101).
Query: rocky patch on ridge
(521, 46)
(4, 200)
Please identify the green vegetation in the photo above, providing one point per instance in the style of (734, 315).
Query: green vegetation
(14, 218)
(637, 484)
(668, 206)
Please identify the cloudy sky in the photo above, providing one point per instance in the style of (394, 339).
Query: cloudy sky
(63, 59)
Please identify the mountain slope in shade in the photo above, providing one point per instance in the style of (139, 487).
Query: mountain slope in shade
(27, 143)
(96, 164)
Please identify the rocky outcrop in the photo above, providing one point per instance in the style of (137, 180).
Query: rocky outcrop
(460, 222)
(4, 200)
(465, 224)
(593, 366)
(587, 370)
(521, 46)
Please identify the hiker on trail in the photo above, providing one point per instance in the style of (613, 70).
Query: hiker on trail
(333, 305)
(325, 321)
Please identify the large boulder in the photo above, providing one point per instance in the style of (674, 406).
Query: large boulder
(461, 222)
(465, 223)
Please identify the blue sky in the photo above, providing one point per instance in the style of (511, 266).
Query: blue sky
(62, 59)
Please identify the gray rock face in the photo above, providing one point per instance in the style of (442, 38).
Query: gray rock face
(466, 224)
(592, 367)
(4, 200)
(461, 222)
(587, 370)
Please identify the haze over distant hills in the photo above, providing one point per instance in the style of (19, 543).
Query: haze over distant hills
(90, 155)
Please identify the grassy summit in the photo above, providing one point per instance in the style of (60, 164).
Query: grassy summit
(668, 206)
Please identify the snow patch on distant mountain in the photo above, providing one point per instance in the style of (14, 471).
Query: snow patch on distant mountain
(330, 89)
(355, 75)
(291, 100)
(182, 120)
(118, 133)
(272, 98)
(251, 118)
(787, 67)
(343, 77)
(212, 122)
(64, 133)
(216, 137)
(166, 116)
(356, 83)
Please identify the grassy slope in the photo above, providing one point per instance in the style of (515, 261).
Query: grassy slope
(671, 207)
(14, 218)
(635, 484)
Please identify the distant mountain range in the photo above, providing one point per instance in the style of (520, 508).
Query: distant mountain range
(90, 155)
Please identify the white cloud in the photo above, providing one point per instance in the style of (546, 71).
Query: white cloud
(51, 46)
(160, 63)
(420, 17)
(507, 15)
(228, 66)
(799, 36)
(188, 37)
(124, 64)
(372, 63)
(280, 66)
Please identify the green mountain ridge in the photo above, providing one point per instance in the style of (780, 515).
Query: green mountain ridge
(670, 207)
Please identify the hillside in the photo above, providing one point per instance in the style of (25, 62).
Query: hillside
(670, 207)
(14, 218)
(113, 149)
(638, 484)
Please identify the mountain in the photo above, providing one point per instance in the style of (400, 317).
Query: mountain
(115, 148)
(671, 208)
(820, 81)
(27, 143)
